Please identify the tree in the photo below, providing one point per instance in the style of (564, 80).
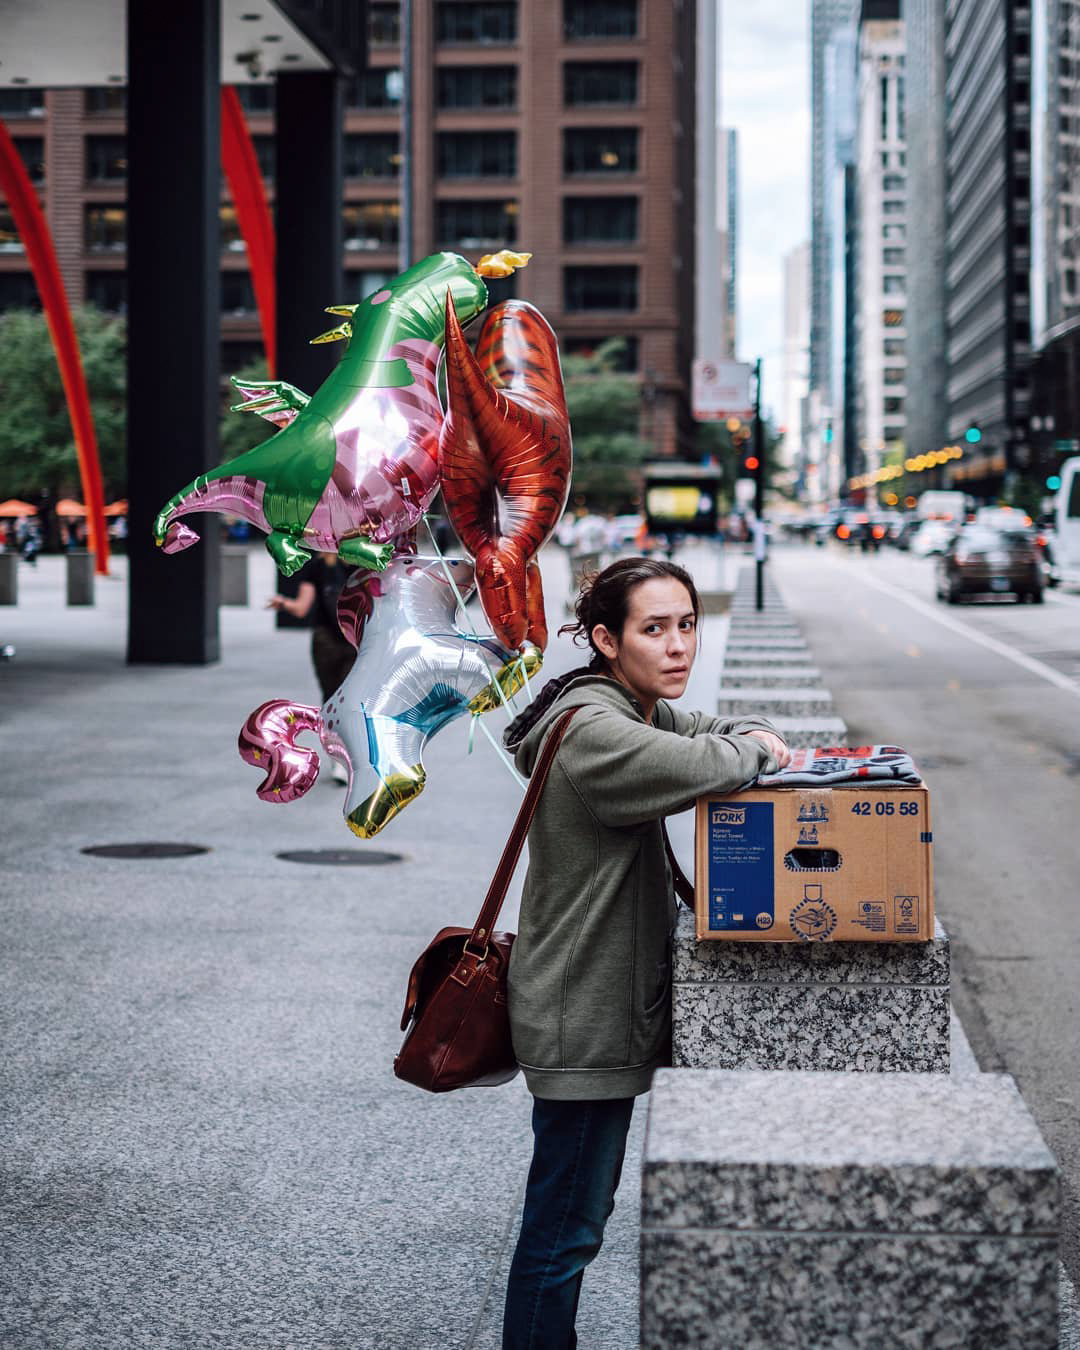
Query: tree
(605, 414)
(37, 447)
(239, 431)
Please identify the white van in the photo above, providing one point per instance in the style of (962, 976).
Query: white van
(1067, 523)
(948, 506)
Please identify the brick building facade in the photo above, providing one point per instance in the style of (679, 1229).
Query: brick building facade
(564, 129)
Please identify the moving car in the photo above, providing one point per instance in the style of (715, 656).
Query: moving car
(932, 536)
(985, 561)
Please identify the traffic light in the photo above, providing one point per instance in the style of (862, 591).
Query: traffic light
(750, 465)
(1053, 483)
(973, 435)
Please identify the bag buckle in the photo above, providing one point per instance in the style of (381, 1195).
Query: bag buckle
(482, 956)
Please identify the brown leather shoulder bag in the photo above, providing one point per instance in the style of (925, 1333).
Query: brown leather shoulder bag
(456, 1007)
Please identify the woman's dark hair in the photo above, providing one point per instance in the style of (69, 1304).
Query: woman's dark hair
(604, 598)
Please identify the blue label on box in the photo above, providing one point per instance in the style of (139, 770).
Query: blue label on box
(740, 862)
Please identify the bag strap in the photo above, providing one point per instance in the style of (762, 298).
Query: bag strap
(683, 888)
(493, 901)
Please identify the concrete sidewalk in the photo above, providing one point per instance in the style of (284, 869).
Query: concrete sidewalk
(203, 1143)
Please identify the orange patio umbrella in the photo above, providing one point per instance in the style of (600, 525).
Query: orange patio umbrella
(68, 506)
(119, 508)
(14, 507)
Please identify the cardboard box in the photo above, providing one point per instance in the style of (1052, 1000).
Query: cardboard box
(842, 864)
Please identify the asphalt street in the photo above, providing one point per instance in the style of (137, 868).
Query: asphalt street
(986, 696)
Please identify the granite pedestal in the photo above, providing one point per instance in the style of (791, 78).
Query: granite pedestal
(767, 677)
(816, 1209)
(876, 1007)
(234, 575)
(783, 701)
(803, 733)
(79, 567)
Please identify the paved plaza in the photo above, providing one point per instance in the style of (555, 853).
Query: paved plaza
(203, 1140)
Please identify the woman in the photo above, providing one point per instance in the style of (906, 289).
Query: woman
(589, 980)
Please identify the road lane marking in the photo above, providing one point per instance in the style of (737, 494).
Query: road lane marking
(1028, 663)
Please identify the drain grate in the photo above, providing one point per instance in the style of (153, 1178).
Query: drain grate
(144, 850)
(340, 857)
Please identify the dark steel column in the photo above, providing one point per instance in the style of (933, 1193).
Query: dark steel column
(173, 319)
(308, 196)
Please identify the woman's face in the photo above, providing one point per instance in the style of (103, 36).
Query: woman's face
(654, 653)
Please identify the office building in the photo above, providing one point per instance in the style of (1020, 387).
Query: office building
(731, 181)
(566, 130)
(987, 250)
(881, 215)
(712, 282)
(795, 375)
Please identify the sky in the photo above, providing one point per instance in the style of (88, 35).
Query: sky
(765, 96)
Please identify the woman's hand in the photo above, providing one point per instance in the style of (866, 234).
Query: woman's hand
(775, 746)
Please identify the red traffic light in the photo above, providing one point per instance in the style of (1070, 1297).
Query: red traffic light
(750, 463)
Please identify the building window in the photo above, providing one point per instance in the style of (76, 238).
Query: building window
(587, 288)
(893, 286)
(893, 257)
(893, 318)
(255, 98)
(895, 376)
(265, 151)
(237, 293)
(384, 24)
(365, 283)
(18, 291)
(893, 232)
(477, 154)
(893, 182)
(380, 88)
(105, 228)
(106, 158)
(893, 208)
(894, 347)
(481, 21)
(372, 155)
(474, 224)
(106, 98)
(371, 225)
(477, 86)
(600, 83)
(623, 352)
(600, 220)
(600, 150)
(894, 407)
(108, 291)
(9, 235)
(32, 153)
(599, 19)
(232, 241)
(22, 102)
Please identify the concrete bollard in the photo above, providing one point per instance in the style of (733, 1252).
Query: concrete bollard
(9, 578)
(234, 575)
(80, 577)
(868, 1007)
(841, 1209)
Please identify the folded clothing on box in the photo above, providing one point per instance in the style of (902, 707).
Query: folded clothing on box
(825, 766)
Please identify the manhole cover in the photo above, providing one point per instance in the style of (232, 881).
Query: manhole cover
(144, 850)
(340, 857)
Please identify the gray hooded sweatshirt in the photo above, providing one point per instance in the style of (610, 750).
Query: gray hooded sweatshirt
(590, 977)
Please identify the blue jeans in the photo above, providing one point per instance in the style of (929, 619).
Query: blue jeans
(577, 1160)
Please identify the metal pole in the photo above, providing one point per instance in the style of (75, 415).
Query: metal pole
(405, 245)
(759, 491)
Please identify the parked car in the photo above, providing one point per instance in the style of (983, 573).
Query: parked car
(984, 561)
(932, 536)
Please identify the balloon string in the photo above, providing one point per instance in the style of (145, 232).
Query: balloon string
(500, 751)
(511, 711)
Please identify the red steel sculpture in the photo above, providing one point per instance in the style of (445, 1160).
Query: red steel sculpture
(34, 232)
(252, 213)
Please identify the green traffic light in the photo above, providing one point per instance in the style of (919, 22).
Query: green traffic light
(1053, 483)
(973, 435)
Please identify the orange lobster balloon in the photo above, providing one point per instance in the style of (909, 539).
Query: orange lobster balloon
(504, 459)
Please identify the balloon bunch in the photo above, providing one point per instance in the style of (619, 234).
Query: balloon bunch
(353, 469)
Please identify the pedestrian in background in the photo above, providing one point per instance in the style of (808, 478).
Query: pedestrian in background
(590, 972)
(320, 583)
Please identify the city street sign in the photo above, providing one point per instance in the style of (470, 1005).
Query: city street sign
(721, 389)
